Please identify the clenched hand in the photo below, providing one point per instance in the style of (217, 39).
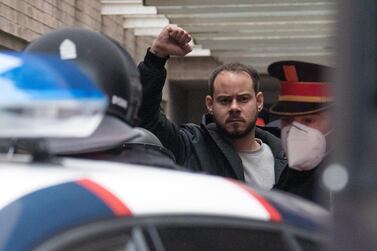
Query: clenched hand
(172, 41)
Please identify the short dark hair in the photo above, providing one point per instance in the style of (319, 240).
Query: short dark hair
(234, 67)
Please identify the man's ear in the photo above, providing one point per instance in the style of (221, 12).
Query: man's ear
(260, 101)
(209, 104)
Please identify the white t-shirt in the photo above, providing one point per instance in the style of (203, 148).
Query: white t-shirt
(259, 166)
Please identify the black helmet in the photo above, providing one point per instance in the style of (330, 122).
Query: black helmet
(149, 141)
(147, 144)
(145, 136)
(105, 62)
(113, 70)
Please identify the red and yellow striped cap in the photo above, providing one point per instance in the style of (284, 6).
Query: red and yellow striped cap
(304, 88)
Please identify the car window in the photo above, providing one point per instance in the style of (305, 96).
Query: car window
(121, 241)
(95, 238)
(220, 238)
(309, 245)
(183, 238)
(183, 233)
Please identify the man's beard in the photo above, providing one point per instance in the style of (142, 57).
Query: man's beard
(236, 134)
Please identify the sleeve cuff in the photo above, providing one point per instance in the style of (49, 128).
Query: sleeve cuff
(155, 60)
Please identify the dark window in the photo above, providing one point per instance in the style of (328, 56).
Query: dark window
(106, 239)
(104, 242)
(220, 238)
(310, 245)
(182, 233)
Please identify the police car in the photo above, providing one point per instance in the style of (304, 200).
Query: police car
(51, 203)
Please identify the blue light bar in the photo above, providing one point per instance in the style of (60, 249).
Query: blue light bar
(43, 96)
(29, 76)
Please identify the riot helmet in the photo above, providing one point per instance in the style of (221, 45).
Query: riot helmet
(106, 63)
(148, 140)
(145, 137)
(109, 66)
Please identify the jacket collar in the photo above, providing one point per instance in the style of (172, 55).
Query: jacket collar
(232, 156)
(234, 161)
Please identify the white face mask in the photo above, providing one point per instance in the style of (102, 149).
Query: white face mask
(305, 146)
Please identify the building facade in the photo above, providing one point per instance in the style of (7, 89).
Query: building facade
(22, 21)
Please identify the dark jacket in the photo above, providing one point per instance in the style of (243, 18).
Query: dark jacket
(197, 147)
(306, 184)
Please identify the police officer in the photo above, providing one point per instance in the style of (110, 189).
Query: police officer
(304, 110)
(114, 71)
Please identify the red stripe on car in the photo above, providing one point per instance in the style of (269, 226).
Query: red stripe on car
(115, 204)
(274, 214)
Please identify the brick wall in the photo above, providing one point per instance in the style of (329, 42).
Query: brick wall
(88, 14)
(28, 19)
(112, 26)
(22, 21)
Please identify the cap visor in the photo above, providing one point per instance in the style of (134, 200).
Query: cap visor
(110, 133)
(289, 108)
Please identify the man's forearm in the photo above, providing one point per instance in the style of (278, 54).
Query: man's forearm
(152, 76)
(172, 40)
